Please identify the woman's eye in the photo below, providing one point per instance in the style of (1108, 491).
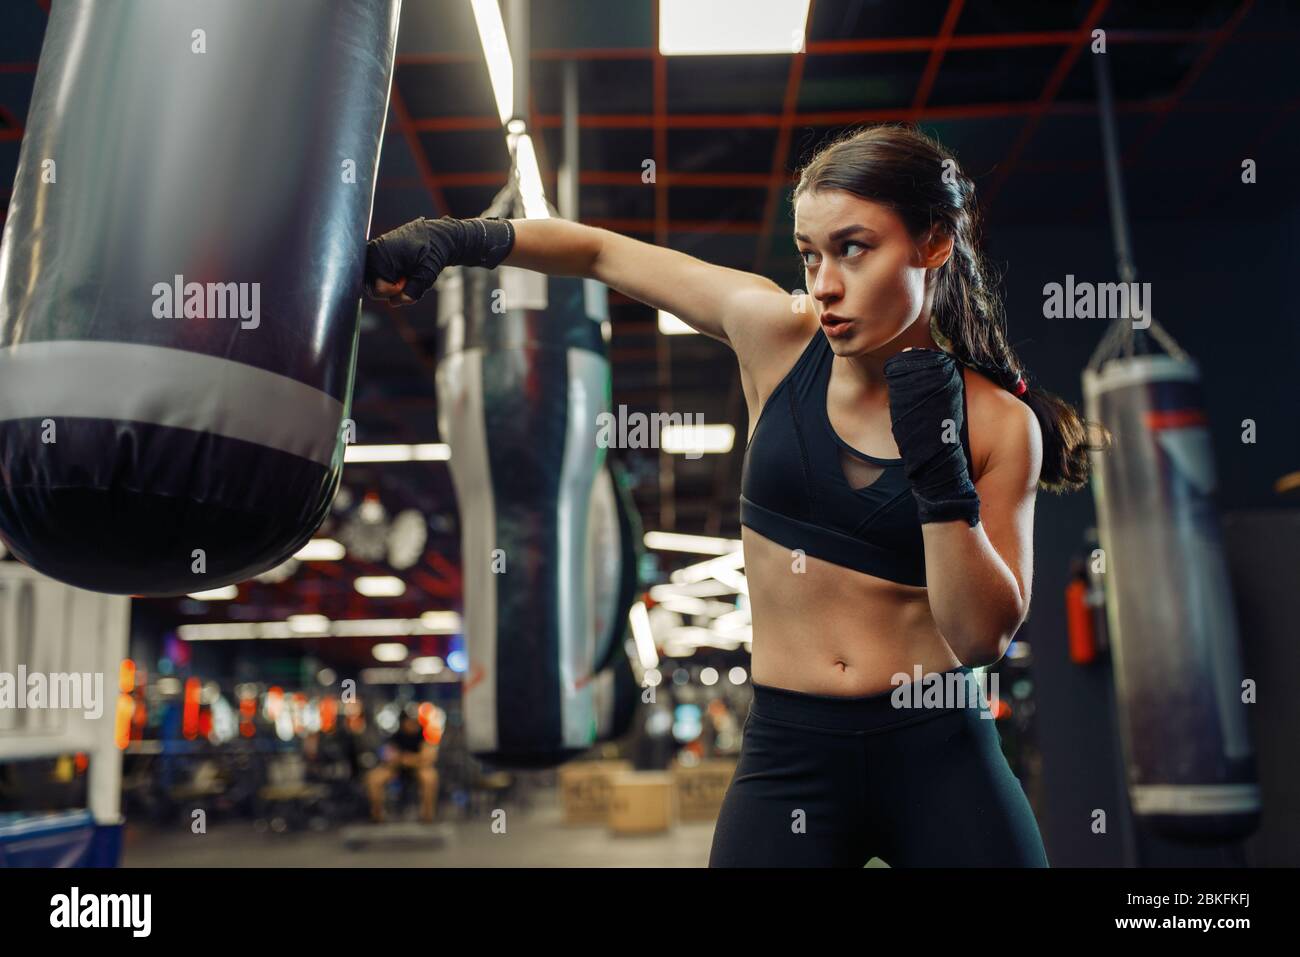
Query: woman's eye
(861, 246)
(804, 254)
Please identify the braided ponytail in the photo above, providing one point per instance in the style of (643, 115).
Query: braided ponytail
(913, 174)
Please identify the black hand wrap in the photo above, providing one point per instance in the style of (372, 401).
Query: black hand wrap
(925, 389)
(422, 248)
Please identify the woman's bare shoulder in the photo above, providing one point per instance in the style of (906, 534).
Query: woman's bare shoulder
(997, 421)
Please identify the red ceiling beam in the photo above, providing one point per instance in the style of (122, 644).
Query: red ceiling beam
(713, 121)
(940, 47)
(984, 41)
(13, 128)
(924, 44)
(1170, 103)
(417, 150)
(1167, 105)
(994, 41)
(1083, 37)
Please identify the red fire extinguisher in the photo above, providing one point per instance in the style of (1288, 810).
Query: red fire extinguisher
(1085, 603)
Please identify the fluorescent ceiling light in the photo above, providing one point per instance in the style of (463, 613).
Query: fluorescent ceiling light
(696, 544)
(380, 586)
(231, 631)
(713, 568)
(427, 452)
(298, 626)
(530, 178)
(321, 550)
(735, 579)
(670, 325)
(501, 71)
(704, 589)
(390, 651)
(431, 665)
(308, 624)
(496, 50)
(226, 593)
(440, 622)
(732, 621)
(643, 637)
(699, 607)
(697, 439)
(695, 27)
(372, 627)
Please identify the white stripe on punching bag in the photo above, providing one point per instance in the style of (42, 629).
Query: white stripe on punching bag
(128, 382)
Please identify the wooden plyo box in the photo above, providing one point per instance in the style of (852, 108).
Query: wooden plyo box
(641, 802)
(585, 789)
(700, 789)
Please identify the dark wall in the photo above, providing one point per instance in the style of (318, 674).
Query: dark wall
(1220, 286)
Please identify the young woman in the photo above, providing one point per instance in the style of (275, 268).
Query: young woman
(887, 500)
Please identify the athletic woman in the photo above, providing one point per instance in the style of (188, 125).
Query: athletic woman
(887, 500)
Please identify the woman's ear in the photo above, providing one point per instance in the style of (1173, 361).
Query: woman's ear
(935, 248)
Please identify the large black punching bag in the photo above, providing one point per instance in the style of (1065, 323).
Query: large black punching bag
(180, 284)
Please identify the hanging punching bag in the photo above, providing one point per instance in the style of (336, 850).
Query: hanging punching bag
(1178, 672)
(614, 558)
(180, 284)
(522, 375)
(617, 694)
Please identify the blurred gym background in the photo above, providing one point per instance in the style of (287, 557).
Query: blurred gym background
(256, 734)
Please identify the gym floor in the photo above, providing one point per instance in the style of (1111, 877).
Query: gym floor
(534, 838)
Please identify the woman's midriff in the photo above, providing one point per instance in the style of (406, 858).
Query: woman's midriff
(831, 630)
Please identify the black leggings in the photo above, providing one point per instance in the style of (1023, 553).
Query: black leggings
(826, 781)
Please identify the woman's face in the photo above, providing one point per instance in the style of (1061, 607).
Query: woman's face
(865, 273)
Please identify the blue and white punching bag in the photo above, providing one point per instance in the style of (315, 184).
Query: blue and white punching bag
(522, 376)
(1178, 671)
(180, 283)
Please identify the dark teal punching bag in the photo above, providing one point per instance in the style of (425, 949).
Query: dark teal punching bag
(614, 556)
(180, 284)
(523, 377)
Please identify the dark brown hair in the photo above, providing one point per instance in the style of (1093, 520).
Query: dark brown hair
(913, 174)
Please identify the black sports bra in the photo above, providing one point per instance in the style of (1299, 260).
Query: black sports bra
(794, 491)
